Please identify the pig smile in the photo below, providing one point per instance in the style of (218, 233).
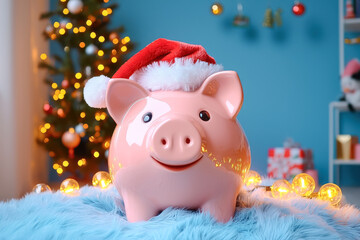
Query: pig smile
(177, 167)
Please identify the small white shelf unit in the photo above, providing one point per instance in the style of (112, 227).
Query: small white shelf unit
(335, 108)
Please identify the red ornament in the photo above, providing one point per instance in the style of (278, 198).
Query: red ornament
(48, 109)
(298, 9)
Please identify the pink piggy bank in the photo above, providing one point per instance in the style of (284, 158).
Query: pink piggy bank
(174, 148)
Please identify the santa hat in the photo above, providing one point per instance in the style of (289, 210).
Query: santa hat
(161, 65)
(351, 68)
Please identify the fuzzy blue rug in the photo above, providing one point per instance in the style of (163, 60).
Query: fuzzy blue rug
(94, 215)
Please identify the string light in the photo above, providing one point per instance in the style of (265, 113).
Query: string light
(43, 56)
(89, 22)
(330, 192)
(81, 162)
(52, 154)
(104, 12)
(59, 170)
(91, 138)
(96, 154)
(123, 48)
(252, 179)
(85, 126)
(125, 40)
(47, 125)
(66, 11)
(53, 36)
(82, 29)
(82, 44)
(75, 30)
(76, 85)
(54, 85)
(69, 186)
(46, 140)
(113, 51)
(93, 35)
(78, 75)
(56, 24)
(101, 179)
(106, 1)
(115, 41)
(303, 184)
(113, 59)
(69, 25)
(82, 114)
(101, 39)
(101, 67)
(100, 53)
(65, 163)
(281, 189)
(109, 10)
(43, 130)
(62, 31)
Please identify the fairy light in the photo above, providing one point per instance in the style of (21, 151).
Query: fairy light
(51, 154)
(101, 39)
(89, 22)
(78, 75)
(125, 40)
(97, 116)
(81, 162)
(100, 53)
(93, 35)
(53, 36)
(100, 67)
(56, 24)
(66, 11)
(43, 56)
(91, 138)
(63, 0)
(106, 144)
(59, 170)
(43, 130)
(104, 12)
(46, 140)
(82, 114)
(65, 163)
(47, 125)
(82, 29)
(56, 166)
(76, 85)
(82, 44)
(303, 184)
(75, 30)
(109, 10)
(69, 25)
(115, 41)
(96, 154)
(113, 52)
(252, 179)
(62, 31)
(106, 1)
(123, 49)
(103, 116)
(85, 126)
(54, 85)
(113, 59)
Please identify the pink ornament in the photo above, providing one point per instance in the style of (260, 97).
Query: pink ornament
(65, 83)
(71, 140)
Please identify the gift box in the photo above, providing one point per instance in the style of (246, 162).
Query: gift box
(345, 146)
(285, 163)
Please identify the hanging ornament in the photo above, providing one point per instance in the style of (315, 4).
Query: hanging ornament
(268, 19)
(91, 49)
(113, 35)
(240, 20)
(60, 112)
(349, 9)
(71, 140)
(69, 186)
(75, 6)
(41, 187)
(101, 179)
(216, 9)
(65, 83)
(48, 109)
(277, 17)
(298, 8)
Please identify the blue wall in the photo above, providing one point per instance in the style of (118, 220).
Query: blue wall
(289, 74)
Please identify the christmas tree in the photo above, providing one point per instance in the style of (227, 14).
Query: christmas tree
(76, 136)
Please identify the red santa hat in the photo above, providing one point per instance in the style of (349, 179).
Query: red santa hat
(161, 65)
(352, 67)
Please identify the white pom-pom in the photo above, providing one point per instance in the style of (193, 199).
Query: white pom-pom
(95, 91)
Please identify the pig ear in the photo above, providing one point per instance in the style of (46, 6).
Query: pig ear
(225, 87)
(121, 94)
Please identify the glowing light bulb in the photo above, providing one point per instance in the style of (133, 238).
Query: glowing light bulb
(123, 49)
(96, 154)
(89, 22)
(281, 189)
(125, 40)
(113, 59)
(101, 179)
(43, 56)
(93, 35)
(303, 184)
(101, 67)
(82, 114)
(75, 30)
(41, 187)
(100, 53)
(66, 11)
(77, 85)
(78, 75)
(216, 9)
(104, 13)
(62, 31)
(330, 192)
(69, 25)
(65, 163)
(54, 85)
(101, 39)
(69, 186)
(56, 24)
(59, 170)
(252, 179)
(82, 44)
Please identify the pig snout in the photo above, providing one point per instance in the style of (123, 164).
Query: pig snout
(175, 142)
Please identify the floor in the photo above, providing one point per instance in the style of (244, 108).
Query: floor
(352, 195)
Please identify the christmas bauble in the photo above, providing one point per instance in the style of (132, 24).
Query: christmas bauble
(91, 49)
(298, 9)
(69, 186)
(75, 6)
(113, 35)
(48, 109)
(70, 139)
(41, 187)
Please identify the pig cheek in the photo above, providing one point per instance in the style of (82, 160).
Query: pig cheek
(226, 145)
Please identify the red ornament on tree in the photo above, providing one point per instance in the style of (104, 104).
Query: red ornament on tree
(48, 109)
(65, 83)
(298, 9)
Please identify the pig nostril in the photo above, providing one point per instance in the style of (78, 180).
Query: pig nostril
(163, 141)
(187, 140)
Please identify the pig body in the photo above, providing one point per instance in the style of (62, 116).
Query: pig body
(178, 149)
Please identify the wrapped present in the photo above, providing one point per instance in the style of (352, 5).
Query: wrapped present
(345, 146)
(285, 163)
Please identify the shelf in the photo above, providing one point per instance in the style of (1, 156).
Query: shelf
(343, 106)
(346, 162)
(352, 25)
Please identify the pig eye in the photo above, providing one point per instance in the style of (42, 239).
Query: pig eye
(204, 115)
(147, 117)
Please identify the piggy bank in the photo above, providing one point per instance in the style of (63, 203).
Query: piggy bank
(176, 148)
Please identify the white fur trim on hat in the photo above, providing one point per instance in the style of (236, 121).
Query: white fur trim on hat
(183, 74)
(95, 91)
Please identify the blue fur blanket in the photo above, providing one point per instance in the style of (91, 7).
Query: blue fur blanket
(93, 214)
